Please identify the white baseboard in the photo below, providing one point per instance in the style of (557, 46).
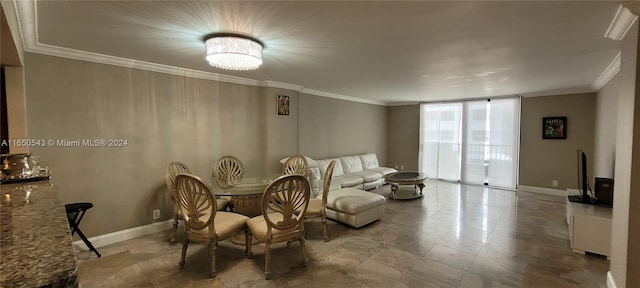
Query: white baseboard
(610, 282)
(119, 236)
(541, 190)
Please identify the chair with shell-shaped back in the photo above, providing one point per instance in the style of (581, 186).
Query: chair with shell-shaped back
(296, 164)
(228, 171)
(318, 207)
(279, 221)
(173, 169)
(202, 222)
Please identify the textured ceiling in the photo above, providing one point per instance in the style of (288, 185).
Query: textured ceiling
(389, 51)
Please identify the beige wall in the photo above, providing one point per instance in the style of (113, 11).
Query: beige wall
(605, 131)
(165, 118)
(403, 141)
(625, 256)
(16, 107)
(544, 160)
(280, 130)
(332, 128)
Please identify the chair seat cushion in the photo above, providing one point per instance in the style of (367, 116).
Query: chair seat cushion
(353, 201)
(347, 180)
(258, 225)
(315, 206)
(226, 224)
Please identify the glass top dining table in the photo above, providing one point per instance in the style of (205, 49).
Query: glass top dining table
(246, 195)
(245, 187)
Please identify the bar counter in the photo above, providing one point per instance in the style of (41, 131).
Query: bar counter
(35, 240)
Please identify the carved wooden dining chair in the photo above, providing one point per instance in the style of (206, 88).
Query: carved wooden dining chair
(279, 222)
(296, 164)
(228, 172)
(173, 169)
(203, 223)
(318, 207)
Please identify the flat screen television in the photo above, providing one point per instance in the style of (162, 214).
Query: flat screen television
(583, 181)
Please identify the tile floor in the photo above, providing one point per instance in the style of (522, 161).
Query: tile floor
(456, 236)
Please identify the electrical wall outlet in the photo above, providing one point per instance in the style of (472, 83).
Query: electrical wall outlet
(401, 167)
(156, 214)
(554, 183)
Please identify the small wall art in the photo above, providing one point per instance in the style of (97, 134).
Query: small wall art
(283, 105)
(554, 128)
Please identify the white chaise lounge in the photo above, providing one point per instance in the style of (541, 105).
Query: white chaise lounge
(347, 202)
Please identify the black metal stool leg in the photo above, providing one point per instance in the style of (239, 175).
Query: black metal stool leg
(74, 228)
(79, 209)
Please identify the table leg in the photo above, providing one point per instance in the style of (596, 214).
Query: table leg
(394, 189)
(421, 185)
(250, 206)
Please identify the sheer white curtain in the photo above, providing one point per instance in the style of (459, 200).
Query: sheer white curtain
(440, 140)
(504, 139)
(429, 139)
(473, 142)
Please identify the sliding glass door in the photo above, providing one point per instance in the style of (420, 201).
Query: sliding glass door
(473, 141)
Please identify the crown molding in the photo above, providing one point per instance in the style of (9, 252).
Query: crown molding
(555, 92)
(27, 16)
(621, 23)
(341, 97)
(13, 20)
(608, 73)
(408, 103)
(281, 85)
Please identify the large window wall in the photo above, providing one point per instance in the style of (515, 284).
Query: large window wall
(474, 142)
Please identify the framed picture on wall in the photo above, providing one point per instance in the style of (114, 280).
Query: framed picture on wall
(554, 128)
(283, 105)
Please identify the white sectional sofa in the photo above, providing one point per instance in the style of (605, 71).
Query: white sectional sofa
(356, 171)
(347, 201)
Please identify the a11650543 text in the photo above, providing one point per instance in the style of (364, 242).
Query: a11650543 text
(64, 142)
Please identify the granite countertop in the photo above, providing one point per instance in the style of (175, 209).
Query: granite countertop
(35, 241)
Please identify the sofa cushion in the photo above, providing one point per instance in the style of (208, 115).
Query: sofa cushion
(315, 180)
(383, 170)
(367, 175)
(373, 184)
(369, 160)
(335, 185)
(337, 169)
(351, 163)
(353, 201)
(347, 180)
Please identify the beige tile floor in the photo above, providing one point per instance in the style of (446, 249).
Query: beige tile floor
(456, 236)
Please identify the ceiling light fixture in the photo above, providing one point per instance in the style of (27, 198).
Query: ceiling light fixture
(233, 51)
